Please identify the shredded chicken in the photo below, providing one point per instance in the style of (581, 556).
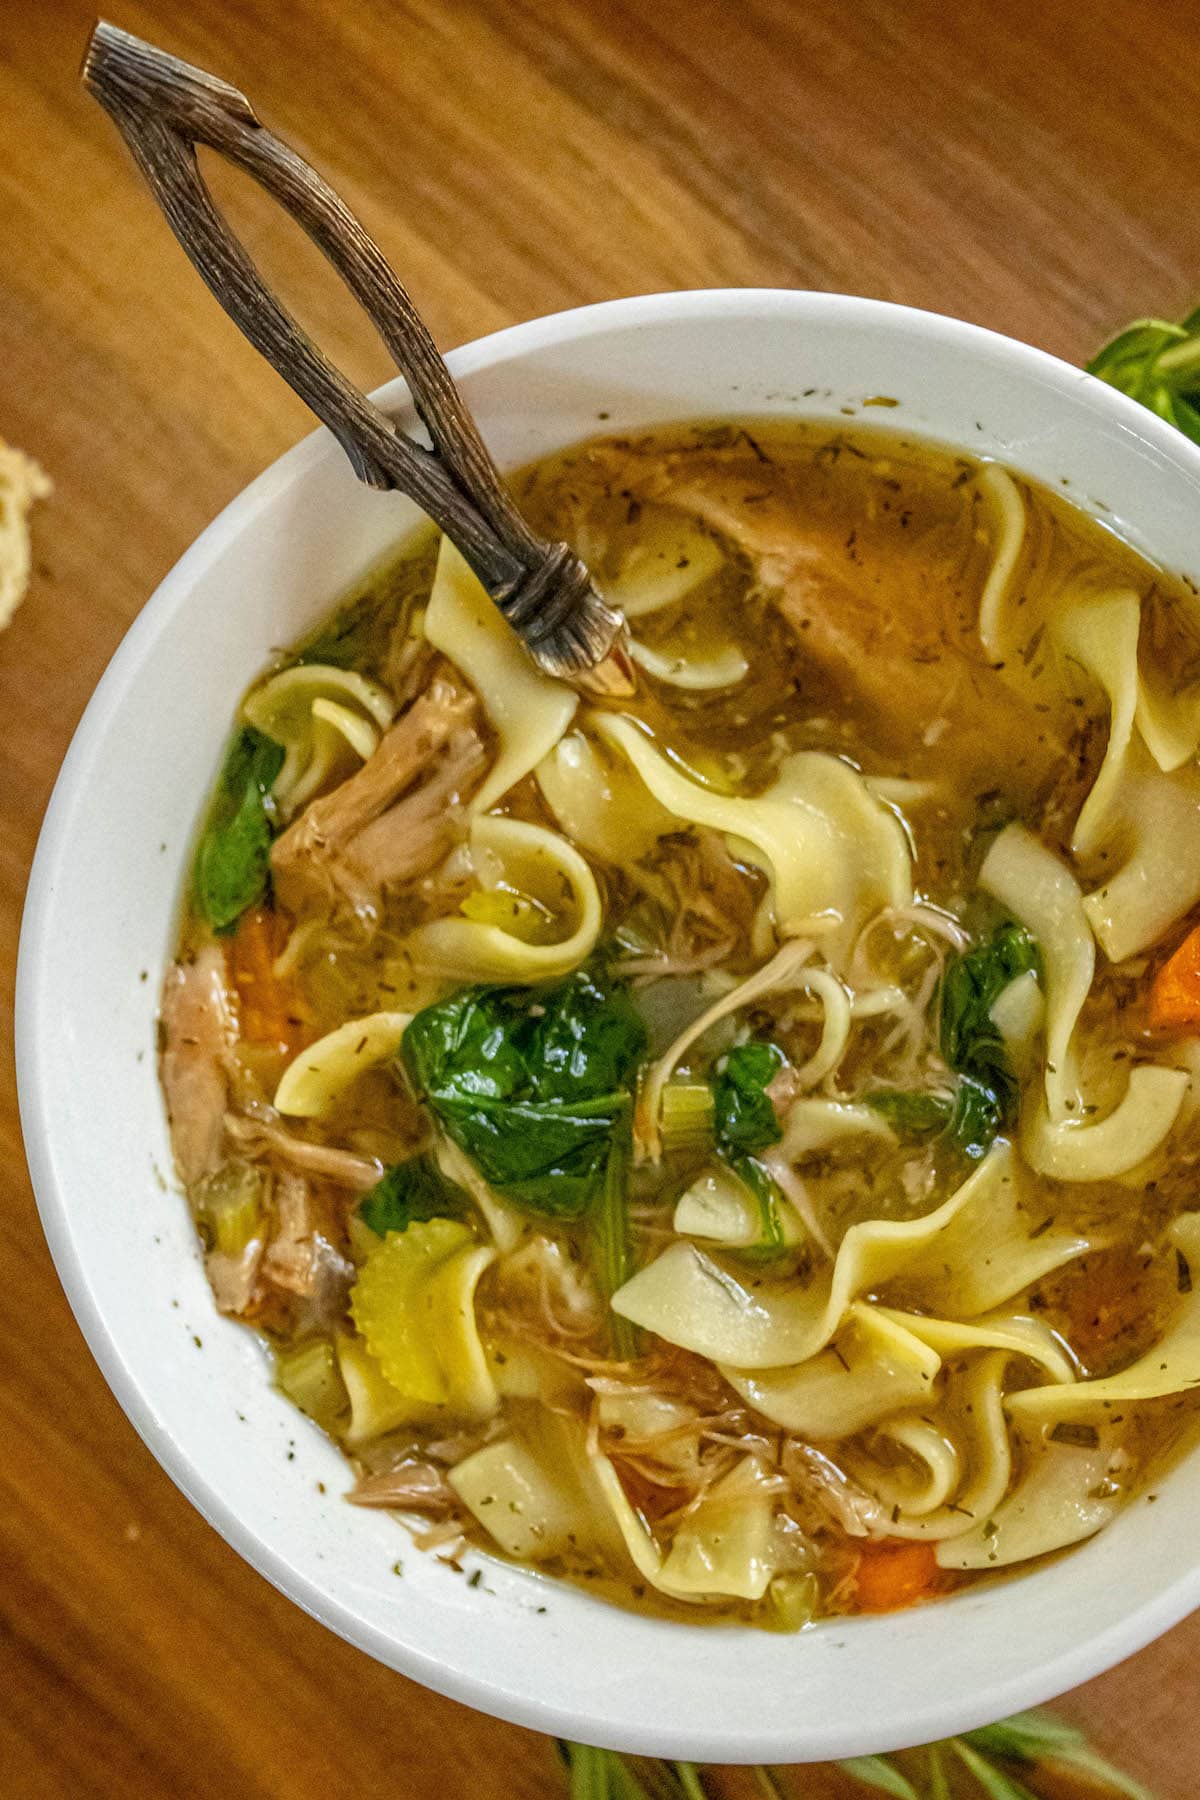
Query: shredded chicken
(234, 1279)
(819, 1483)
(260, 1131)
(898, 652)
(412, 1486)
(299, 1258)
(198, 1035)
(392, 820)
(709, 902)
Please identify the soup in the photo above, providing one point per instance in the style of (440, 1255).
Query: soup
(731, 1146)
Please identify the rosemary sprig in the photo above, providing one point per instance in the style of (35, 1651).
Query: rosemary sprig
(994, 1763)
(1158, 364)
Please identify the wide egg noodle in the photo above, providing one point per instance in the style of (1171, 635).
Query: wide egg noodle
(1101, 636)
(721, 668)
(785, 970)
(723, 1550)
(924, 1501)
(1158, 881)
(1104, 1149)
(811, 1125)
(827, 844)
(1061, 1497)
(319, 714)
(316, 1079)
(873, 1367)
(537, 1493)
(975, 1252)
(1007, 508)
(600, 802)
(530, 862)
(528, 711)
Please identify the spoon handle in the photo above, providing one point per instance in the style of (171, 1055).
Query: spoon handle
(163, 108)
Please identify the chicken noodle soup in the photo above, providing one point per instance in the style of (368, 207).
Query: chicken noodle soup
(732, 1146)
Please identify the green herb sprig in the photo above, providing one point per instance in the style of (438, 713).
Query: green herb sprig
(993, 1763)
(1158, 364)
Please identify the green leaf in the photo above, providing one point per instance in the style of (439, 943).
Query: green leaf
(1157, 364)
(939, 1781)
(766, 1195)
(532, 1083)
(233, 860)
(994, 1782)
(877, 1772)
(588, 1040)
(978, 1116)
(922, 1113)
(470, 1044)
(1040, 1737)
(744, 1118)
(972, 984)
(409, 1191)
(548, 1157)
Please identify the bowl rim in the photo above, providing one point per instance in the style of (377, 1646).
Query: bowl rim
(941, 1717)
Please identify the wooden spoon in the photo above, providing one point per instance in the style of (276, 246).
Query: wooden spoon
(163, 108)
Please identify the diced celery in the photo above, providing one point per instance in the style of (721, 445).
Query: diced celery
(686, 1115)
(308, 1374)
(229, 1206)
(791, 1602)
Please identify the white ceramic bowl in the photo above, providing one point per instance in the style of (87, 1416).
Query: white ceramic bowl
(98, 928)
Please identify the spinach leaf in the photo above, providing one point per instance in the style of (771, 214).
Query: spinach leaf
(973, 982)
(534, 1084)
(469, 1044)
(984, 1099)
(919, 1113)
(233, 860)
(978, 1117)
(411, 1191)
(589, 1038)
(546, 1156)
(765, 1192)
(744, 1118)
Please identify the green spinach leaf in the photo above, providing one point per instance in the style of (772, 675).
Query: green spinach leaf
(984, 1099)
(744, 1117)
(233, 860)
(913, 1113)
(411, 1191)
(588, 1039)
(534, 1084)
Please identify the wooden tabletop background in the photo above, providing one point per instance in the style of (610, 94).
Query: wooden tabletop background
(1029, 164)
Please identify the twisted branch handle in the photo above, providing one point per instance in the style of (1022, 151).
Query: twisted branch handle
(163, 108)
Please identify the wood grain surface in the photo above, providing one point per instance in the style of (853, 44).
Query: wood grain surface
(1029, 164)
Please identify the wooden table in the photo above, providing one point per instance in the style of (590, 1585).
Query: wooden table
(1030, 164)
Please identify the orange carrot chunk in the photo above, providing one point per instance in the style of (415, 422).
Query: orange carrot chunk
(895, 1574)
(1175, 990)
(267, 1006)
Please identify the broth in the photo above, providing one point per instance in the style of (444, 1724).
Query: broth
(830, 1002)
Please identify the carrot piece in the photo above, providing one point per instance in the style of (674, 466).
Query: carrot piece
(897, 1573)
(269, 1013)
(1175, 990)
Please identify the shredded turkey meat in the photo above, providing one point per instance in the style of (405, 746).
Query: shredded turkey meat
(395, 818)
(199, 1030)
